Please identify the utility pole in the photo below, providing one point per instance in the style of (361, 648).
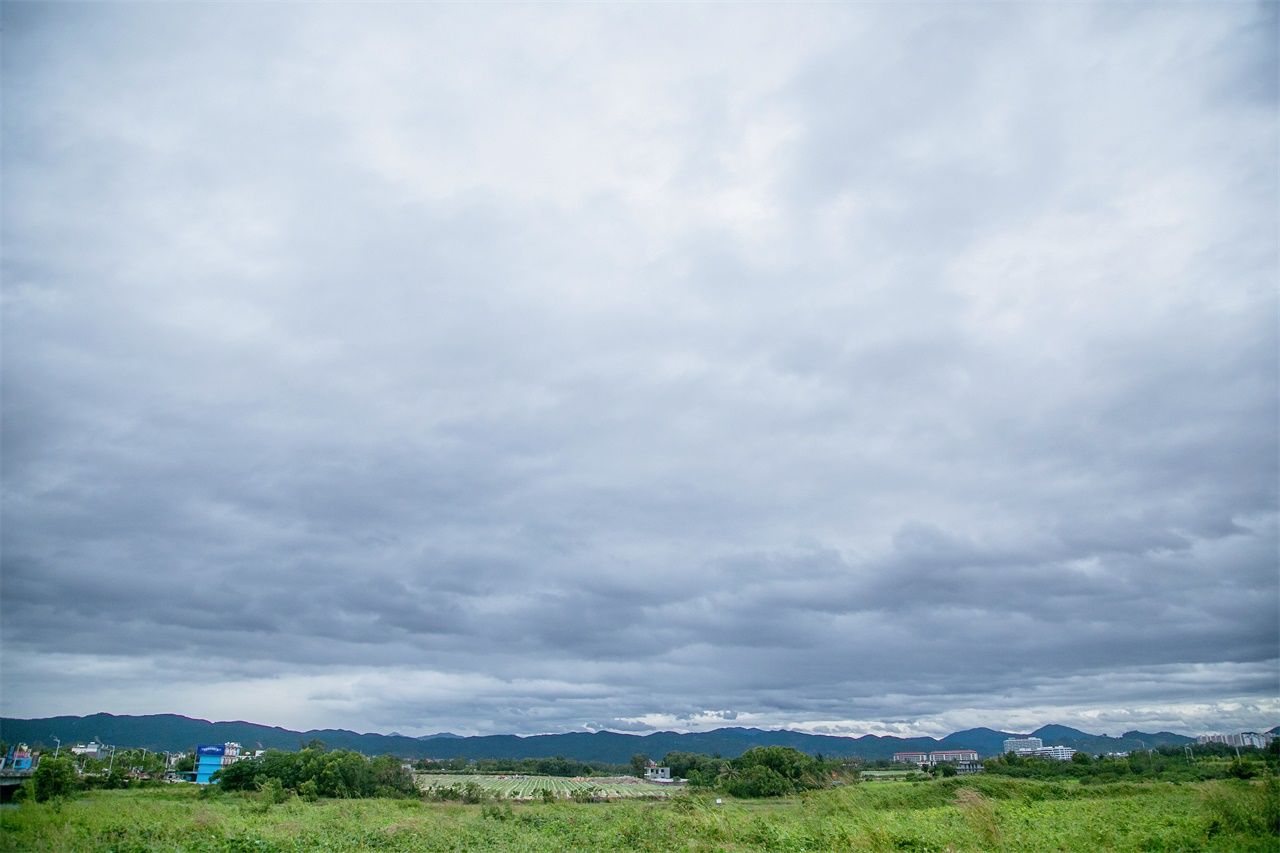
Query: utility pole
(58, 745)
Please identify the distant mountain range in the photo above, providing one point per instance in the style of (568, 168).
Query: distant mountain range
(174, 732)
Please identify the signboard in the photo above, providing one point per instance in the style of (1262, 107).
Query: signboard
(211, 750)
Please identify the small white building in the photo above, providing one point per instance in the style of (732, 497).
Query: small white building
(92, 749)
(654, 773)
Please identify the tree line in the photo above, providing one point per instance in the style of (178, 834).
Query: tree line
(1198, 762)
(763, 771)
(312, 773)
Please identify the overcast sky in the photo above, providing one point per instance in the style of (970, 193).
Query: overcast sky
(531, 368)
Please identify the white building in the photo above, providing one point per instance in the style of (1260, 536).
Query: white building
(1017, 744)
(654, 773)
(92, 749)
(1058, 753)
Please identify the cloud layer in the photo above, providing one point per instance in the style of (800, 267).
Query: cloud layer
(537, 368)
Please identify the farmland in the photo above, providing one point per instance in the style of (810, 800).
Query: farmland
(520, 787)
(963, 815)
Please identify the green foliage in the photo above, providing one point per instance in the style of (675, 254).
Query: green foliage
(496, 811)
(1241, 808)
(1208, 761)
(339, 773)
(470, 792)
(53, 777)
(967, 814)
(771, 771)
(700, 770)
(272, 791)
(1241, 769)
(756, 781)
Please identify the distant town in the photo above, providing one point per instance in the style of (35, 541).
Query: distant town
(201, 764)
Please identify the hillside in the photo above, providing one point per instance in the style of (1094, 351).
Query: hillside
(174, 732)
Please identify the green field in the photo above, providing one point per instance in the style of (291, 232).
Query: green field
(520, 787)
(971, 814)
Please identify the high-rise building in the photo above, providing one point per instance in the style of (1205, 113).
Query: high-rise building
(1254, 739)
(1014, 744)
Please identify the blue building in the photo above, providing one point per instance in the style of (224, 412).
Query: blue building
(19, 758)
(211, 758)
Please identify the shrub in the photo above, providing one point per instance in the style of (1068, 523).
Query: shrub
(54, 777)
(1244, 808)
(273, 791)
(1240, 769)
(496, 811)
(980, 814)
(757, 781)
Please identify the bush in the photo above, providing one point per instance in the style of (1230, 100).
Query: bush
(771, 771)
(496, 811)
(1244, 808)
(1240, 769)
(757, 781)
(54, 777)
(272, 791)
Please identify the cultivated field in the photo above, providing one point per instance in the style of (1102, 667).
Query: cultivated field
(518, 787)
(961, 815)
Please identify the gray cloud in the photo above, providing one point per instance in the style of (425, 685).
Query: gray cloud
(533, 369)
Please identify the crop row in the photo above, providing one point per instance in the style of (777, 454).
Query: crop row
(531, 787)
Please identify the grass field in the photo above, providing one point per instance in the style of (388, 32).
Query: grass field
(972, 814)
(520, 787)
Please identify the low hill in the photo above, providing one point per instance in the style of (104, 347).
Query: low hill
(173, 732)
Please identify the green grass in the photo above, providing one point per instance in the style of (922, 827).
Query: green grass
(971, 814)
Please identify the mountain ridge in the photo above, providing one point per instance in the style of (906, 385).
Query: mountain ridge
(175, 732)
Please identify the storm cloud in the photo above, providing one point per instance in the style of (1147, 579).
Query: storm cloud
(537, 368)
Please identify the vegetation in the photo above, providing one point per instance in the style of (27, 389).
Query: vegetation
(1170, 764)
(339, 774)
(965, 814)
(54, 777)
